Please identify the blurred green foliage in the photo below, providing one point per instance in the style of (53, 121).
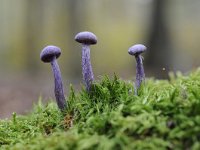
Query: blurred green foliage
(28, 26)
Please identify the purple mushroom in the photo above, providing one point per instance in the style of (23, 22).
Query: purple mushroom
(50, 54)
(86, 39)
(136, 50)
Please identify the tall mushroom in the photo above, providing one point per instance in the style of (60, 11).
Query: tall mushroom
(86, 39)
(50, 54)
(136, 50)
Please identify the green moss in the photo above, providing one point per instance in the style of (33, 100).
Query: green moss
(165, 115)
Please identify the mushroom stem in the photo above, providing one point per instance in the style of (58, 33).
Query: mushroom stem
(86, 39)
(87, 72)
(140, 75)
(136, 50)
(59, 92)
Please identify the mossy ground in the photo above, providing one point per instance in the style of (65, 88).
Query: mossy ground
(165, 116)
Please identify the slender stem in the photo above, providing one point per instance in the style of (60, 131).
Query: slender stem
(59, 92)
(140, 76)
(88, 75)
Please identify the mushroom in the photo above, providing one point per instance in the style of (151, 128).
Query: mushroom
(50, 54)
(136, 50)
(86, 39)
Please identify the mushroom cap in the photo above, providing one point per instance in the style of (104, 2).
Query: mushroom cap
(49, 53)
(137, 49)
(86, 37)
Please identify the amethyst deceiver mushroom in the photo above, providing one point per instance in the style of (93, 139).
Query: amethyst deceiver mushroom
(49, 55)
(86, 39)
(137, 50)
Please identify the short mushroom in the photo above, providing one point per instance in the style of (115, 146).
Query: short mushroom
(86, 39)
(136, 50)
(50, 54)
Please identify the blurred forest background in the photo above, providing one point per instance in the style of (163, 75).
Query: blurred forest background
(169, 28)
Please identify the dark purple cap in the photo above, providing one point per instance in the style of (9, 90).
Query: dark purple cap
(137, 49)
(86, 38)
(49, 52)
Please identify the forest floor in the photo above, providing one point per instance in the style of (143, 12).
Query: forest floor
(164, 115)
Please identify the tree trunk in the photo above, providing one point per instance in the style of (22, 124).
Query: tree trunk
(159, 59)
(33, 26)
(74, 27)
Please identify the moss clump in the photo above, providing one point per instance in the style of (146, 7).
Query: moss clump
(165, 116)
